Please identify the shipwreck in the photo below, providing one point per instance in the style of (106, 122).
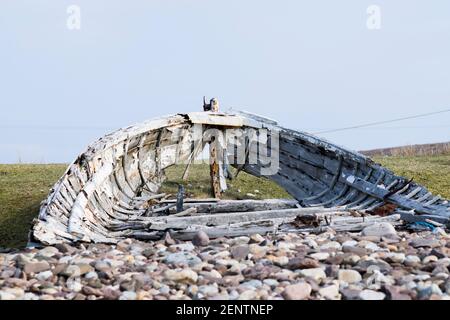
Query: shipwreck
(112, 190)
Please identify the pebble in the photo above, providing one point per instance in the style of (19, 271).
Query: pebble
(44, 275)
(247, 295)
(77, 270)
(240, 240)
(279, 261)
(330, 292)
(291, 266)
(333, 245)
(5, 295)
(350, 294)
(253, 283)
(200, 239)
(74, 285)
(349, 276)
(422, 242)
(128, 295)
(240, 252)
(271, 282)
(368, 294)
(349, 243)
(299, 291)
(302, 263)
(411, 260)
(379, 230)
(256, 238)
(208, 290)
(320, 256)
(316, 273)
(184, 275)
(356, 250)
(47, 252)
(36, 267)
(372, 246)
(182, 258)
(257, 250)
(396, 257)
(429, 259)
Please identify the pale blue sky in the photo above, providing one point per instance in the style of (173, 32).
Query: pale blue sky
(312, 65)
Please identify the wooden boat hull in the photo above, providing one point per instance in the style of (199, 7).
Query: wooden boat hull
(111, 182)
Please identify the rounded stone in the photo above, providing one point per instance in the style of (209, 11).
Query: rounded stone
(349, 276)
(368, 294)
(330, 292)
(201, 239)
(379, 230)
(299, 291)
(316, 273)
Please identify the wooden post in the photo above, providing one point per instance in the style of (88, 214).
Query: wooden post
(214, 169)
(214, 163)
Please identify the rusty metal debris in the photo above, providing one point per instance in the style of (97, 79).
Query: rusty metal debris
(111, 191)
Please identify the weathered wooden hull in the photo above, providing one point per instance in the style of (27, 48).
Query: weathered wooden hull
(105, 191)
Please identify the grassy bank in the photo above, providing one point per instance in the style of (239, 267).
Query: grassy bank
(22, 188)
(431, 171)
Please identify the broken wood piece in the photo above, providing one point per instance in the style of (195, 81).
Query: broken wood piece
(348, 225)
(411, 218)
(161, 209)
(187, 212)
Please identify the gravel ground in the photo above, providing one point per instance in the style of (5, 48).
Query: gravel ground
(376, 264)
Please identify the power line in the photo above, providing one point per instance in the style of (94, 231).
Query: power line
(55, 127)
(383, 122)
(390, 127)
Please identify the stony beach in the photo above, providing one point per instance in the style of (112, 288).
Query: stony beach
(376, 264)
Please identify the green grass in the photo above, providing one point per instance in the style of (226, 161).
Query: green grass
(23, 187)
(198, 185)
(431, 171)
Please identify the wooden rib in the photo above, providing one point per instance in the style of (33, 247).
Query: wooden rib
(158, 157)
(341, 194)
(354, 192)
(124, 168)
(119, 186)
(380, 203)
(436, 198)
(371, 200)
(424, 197)
(333, 183)
(141, 173)
(413, 192)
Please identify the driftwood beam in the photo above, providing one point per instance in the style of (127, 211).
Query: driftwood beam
(224, 206)
(234, 217)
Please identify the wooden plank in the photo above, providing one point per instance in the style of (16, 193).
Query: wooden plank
(224, 206)
(234, 217)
